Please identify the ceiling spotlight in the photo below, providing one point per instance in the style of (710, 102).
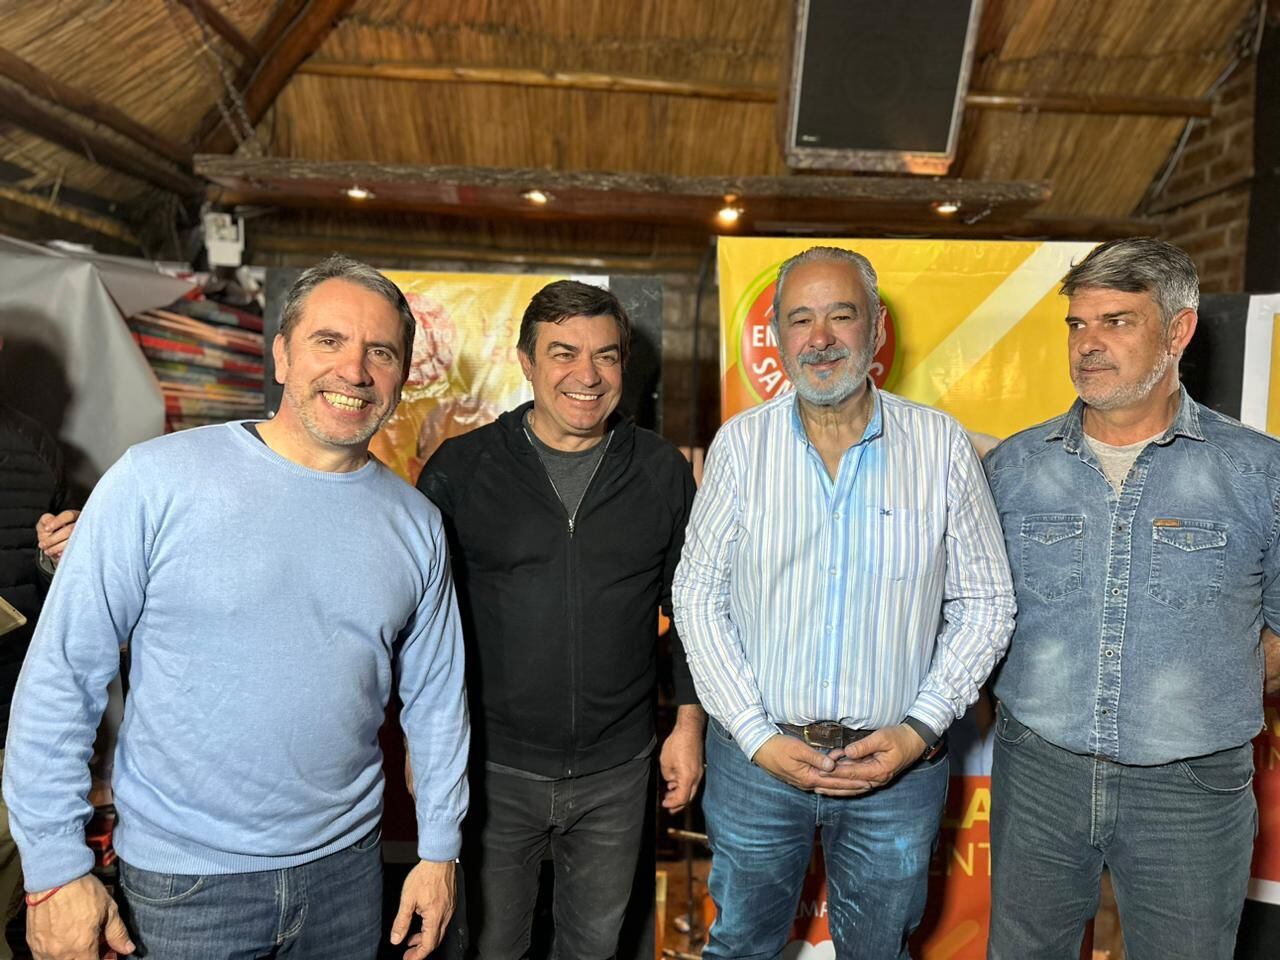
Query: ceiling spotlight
(946, 207)
(357, 192)
(730, 213)
(539, 198)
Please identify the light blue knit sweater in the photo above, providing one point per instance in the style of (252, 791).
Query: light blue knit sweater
(268, 609)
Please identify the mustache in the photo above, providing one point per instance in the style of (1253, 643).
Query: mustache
(829, 355)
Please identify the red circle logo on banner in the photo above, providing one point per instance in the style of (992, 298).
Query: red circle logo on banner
(758, 350)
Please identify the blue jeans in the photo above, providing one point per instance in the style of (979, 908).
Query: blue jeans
(590, 825)
(329, 909)
(1177, 839)
(877, 849)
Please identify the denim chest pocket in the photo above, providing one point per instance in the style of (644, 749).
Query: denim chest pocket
(1187, 562)
(1052, 554)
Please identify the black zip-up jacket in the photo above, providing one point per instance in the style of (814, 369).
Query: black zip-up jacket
(561, 628)
(31, 483)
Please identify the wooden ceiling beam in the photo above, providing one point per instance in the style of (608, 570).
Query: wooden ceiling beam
(36, 118)
(403, 250)
(299, 40)
(1091, 103)
(641, 198)
(42, 86)
(205, 11)
(85, 219)
(560, 79)
(419, 72)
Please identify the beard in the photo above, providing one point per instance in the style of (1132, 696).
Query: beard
(305, 399)
(838, 385)
(1124, 394)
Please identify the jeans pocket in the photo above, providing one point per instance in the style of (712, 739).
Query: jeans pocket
(1187, 562)
(369, 840)
(1009, 729)
(148, 886)
(718, 731)
(1224, 772)
(1052, 554)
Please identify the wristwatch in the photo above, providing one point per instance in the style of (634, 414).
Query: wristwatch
(934, 743)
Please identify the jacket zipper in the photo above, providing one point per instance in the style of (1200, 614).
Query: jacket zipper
(571, 582)
(573, 517)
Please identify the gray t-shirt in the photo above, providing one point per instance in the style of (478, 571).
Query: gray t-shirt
(570, 471)
(1116, 462)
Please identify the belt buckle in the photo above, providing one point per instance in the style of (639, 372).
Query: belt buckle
(827, 735)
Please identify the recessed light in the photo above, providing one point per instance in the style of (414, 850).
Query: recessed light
(946, 207)
(730, 213)
(539, 198)
(357, 192)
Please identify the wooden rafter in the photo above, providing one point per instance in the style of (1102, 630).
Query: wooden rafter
(1101, 104)
(1085, 103)
(500, 192)
(44, 122)
(40, 85)
(399, 250)
(303, 36)
(211, 15)
(566, 80)
(106, 226)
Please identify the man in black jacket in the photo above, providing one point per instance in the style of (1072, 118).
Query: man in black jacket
(32, 487)
(565, 525)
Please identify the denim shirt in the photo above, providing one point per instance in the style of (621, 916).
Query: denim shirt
(1139, 613)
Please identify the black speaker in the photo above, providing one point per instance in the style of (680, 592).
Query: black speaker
(878, 85)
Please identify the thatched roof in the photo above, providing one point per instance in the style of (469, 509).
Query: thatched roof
(106, 103)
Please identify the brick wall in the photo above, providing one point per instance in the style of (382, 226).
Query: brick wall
(1203, 205)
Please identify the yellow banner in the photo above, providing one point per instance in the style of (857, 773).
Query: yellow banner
(975, 328)
(464, 371)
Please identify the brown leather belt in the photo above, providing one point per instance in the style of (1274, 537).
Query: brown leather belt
(827, 735)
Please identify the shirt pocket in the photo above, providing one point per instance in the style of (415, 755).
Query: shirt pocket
(1052, 555)
(1187, 562)
(902, 546)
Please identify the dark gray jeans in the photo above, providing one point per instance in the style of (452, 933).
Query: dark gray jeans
(1177, 838)
(591, 826)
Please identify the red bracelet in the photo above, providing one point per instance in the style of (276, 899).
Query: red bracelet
(36, 901)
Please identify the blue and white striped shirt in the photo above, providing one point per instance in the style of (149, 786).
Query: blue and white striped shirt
(881, 594)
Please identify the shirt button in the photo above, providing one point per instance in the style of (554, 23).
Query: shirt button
(1104, 713)
(1115, 591)
(826, 683)
(833, 571)
(1111, 653)
(837, 514)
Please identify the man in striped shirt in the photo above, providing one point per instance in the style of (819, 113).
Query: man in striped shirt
(843, 593)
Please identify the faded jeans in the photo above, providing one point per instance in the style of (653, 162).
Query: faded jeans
(877, 849)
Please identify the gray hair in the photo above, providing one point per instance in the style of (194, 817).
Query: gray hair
(866, 273)
(1140, 265)
(338, 267)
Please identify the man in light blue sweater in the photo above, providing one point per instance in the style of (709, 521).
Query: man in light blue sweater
(273, 583)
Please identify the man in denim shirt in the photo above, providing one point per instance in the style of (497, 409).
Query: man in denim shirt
(1143, 532)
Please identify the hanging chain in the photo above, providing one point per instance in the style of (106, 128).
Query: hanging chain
(239, 124)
